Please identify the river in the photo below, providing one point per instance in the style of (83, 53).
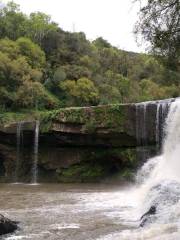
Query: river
(70, 211)
(78, 212)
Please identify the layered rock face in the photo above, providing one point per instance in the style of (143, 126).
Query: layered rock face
(85, 144)
(112, 125)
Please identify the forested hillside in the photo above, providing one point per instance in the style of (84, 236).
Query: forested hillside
(44, 67)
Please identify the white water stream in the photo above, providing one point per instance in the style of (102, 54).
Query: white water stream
(36, 151)
(158, 184)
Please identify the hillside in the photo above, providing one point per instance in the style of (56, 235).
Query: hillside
(44, 67)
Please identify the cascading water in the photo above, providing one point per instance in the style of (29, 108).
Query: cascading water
(36, 151)
(158, 185)
(19, 143)
(161, 114)
(170, 164)
(160, 176)
(141, 123)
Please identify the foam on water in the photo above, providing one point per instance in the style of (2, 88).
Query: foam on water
(159, 181)
(158, 185)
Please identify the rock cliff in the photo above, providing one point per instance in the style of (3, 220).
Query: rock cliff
(83, 144)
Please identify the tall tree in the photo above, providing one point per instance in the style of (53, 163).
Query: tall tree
(12, 21)
(159, 23)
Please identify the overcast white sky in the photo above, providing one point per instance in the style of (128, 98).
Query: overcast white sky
(111, 19)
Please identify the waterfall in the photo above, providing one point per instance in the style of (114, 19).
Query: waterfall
(142, 114)
(141, 134)
(167, 132)
(36, 149)
(159, 177)
(161, 114)
(19, 143)
(144, 137)
(158, 125)
(171, 147)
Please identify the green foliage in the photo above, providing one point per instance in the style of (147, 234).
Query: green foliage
(33, 95)
(80, 92)
(101, 43)
(42, 66)
(12, 21)
(90, 117)
(96, 164)
(34, 55)
(82, 173)
(39, 26)
(159, 24)
(59, 76)
(74, 72)
(19, 79)
(114, 88)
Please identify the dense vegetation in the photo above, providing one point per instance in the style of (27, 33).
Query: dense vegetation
(44, 67)
(159, 24)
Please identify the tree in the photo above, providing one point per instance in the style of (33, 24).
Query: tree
(34, 55)
(53, 83)
(152, 90)
(40, 63)
(34, 95)
(38, 27)
(20, 81)
(80, 92)
(114, 88)
(12, 21)
(10, 48)
(14, 24)
(75, 72)
(159, 23)
(101, 43)
(59, 76)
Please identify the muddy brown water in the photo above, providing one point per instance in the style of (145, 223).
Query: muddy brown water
(81, 212)
(66, 212)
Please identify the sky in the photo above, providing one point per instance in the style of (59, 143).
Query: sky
(111, 19)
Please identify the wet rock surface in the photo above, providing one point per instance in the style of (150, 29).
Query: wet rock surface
(82, 144)
(7, 225)
(121, 125)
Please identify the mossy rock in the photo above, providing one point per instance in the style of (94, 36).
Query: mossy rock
(97, 164)
(107, 116)
(124, 157)
(84, 172)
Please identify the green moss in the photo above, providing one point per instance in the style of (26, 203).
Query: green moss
(91, 118)
(97, 164)
(127, 174)
(122, 156)
(109, 116)
(84, 172)
(11, 117)
(129, 156)
(46, 119)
